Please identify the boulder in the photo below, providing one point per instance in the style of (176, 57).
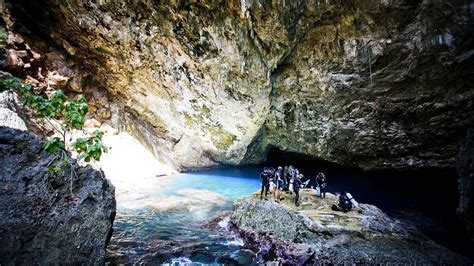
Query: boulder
(48, 216)
(313, 234)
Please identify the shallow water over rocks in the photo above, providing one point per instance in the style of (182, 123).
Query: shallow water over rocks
(172, 224)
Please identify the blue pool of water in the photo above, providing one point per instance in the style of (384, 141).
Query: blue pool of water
(233, 183)
(171, 225)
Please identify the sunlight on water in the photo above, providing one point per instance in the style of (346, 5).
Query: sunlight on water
(162, 218)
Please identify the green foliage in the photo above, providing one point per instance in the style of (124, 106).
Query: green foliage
(3, 34)
(75, 113)
(64, 161)
(54, 145)
(53, 169)
(10, 83)
(71, 114)
(91, 147)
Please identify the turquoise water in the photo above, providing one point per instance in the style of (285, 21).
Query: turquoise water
(171, 225)
(233, 183)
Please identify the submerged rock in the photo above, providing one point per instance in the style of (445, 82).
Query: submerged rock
(313, 233)
(202, 195)
(192, 200)
(50, 217)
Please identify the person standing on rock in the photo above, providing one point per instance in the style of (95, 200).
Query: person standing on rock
(290, 186)
(286, 175)
(296, 187)
(272, 184)
(279, 180)
(265, 181)
(291, 175)
(321, 182)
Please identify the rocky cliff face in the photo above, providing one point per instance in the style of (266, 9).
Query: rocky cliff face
(50, 217)
(376, 84)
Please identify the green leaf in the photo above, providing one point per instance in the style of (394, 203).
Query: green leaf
(10, 83)
(54, 168)
(90, 148)
(54, 145)
(71, 114)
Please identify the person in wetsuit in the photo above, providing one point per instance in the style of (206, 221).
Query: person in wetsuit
(296, 188)
(291, 171)
(321, 182)
(344, 204)
(280, 182)
(265, 176)
(286, 177)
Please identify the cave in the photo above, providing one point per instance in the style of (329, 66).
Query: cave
(182, 111)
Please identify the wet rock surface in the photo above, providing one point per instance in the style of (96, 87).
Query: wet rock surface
(313, 233)
(375, 84)
(50, 217)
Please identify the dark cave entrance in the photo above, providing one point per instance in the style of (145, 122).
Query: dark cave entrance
(426, 198)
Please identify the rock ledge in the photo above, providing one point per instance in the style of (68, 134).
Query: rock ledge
(315, 234)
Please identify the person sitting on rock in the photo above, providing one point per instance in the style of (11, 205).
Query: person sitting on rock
(321, 182)
(344, 204)
(355, 204)
(296, 187)
(265, 181)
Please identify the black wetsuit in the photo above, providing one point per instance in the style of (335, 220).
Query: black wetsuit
(265, 181)
(344, 204)
(321, 181)
(280, 180)
(287, 178)
(296, 187)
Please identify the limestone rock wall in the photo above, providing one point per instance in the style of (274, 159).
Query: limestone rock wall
(375, 84)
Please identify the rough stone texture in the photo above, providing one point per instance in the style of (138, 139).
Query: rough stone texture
(219, 82)
(465, 167)
(314, 234)
(42, 221)
(8, 116)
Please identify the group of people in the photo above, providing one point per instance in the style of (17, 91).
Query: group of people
(289, 180)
